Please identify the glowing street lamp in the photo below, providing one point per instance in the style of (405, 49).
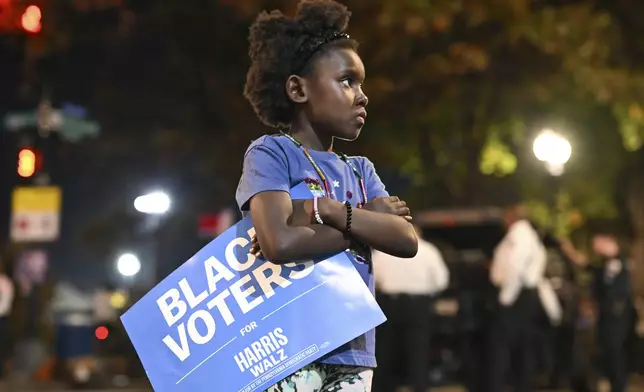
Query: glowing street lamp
(128, 265)
(155, 203)
(553, 150)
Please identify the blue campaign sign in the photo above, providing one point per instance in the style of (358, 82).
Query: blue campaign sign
(227, 321)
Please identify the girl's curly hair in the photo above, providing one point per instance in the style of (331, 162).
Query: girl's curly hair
(276, 43)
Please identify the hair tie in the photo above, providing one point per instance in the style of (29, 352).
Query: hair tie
(311, 45)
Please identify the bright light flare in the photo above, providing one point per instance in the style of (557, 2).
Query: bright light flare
(155, 203)
(552, 149)
(31, 19)
(128, 265)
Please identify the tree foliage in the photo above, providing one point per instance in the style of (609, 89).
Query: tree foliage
(477, 79)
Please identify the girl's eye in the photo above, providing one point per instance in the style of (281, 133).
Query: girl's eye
(350, 83)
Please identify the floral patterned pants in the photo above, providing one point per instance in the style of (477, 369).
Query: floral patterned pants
(326, 378)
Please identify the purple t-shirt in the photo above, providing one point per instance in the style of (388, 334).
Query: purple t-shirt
(275, 163)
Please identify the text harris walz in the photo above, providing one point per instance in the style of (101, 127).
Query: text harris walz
(176, 302)
(264, 353)
(279, 368)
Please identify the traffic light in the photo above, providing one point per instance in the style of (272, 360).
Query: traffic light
(30, 20)
(26, 162)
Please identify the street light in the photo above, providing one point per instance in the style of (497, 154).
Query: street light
(128, 265)
(552, 149)
(155, 203)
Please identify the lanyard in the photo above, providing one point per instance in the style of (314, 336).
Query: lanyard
(321, 174)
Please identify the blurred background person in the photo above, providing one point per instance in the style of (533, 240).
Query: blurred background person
(517, 271)
(31, 331)
(611, 291)
(405, 288)
(73, 315)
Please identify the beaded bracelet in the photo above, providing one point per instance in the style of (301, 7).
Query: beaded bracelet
(349, 215)
(316, 212)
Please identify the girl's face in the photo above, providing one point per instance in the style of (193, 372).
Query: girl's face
(336, 104)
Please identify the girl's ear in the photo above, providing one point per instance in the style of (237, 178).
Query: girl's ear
(296, 89)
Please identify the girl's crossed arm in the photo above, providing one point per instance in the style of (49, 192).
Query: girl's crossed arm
(286, 233)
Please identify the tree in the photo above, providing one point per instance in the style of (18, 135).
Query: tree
(475, 80)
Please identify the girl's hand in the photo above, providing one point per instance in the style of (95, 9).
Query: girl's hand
(302, 216)
(389, 205)
(255, 249)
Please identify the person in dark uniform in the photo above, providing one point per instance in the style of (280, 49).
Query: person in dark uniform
(562, 336)
(405, 289)
(611, 291)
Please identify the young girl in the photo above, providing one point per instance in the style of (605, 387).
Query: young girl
(306, 79)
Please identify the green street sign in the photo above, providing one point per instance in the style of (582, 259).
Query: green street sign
(69, 128)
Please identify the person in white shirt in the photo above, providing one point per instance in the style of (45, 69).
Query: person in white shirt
(517, 270)
(405, 288)
(6, 302)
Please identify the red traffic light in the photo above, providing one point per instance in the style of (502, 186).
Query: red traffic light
(30, 20)
(26, 162)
